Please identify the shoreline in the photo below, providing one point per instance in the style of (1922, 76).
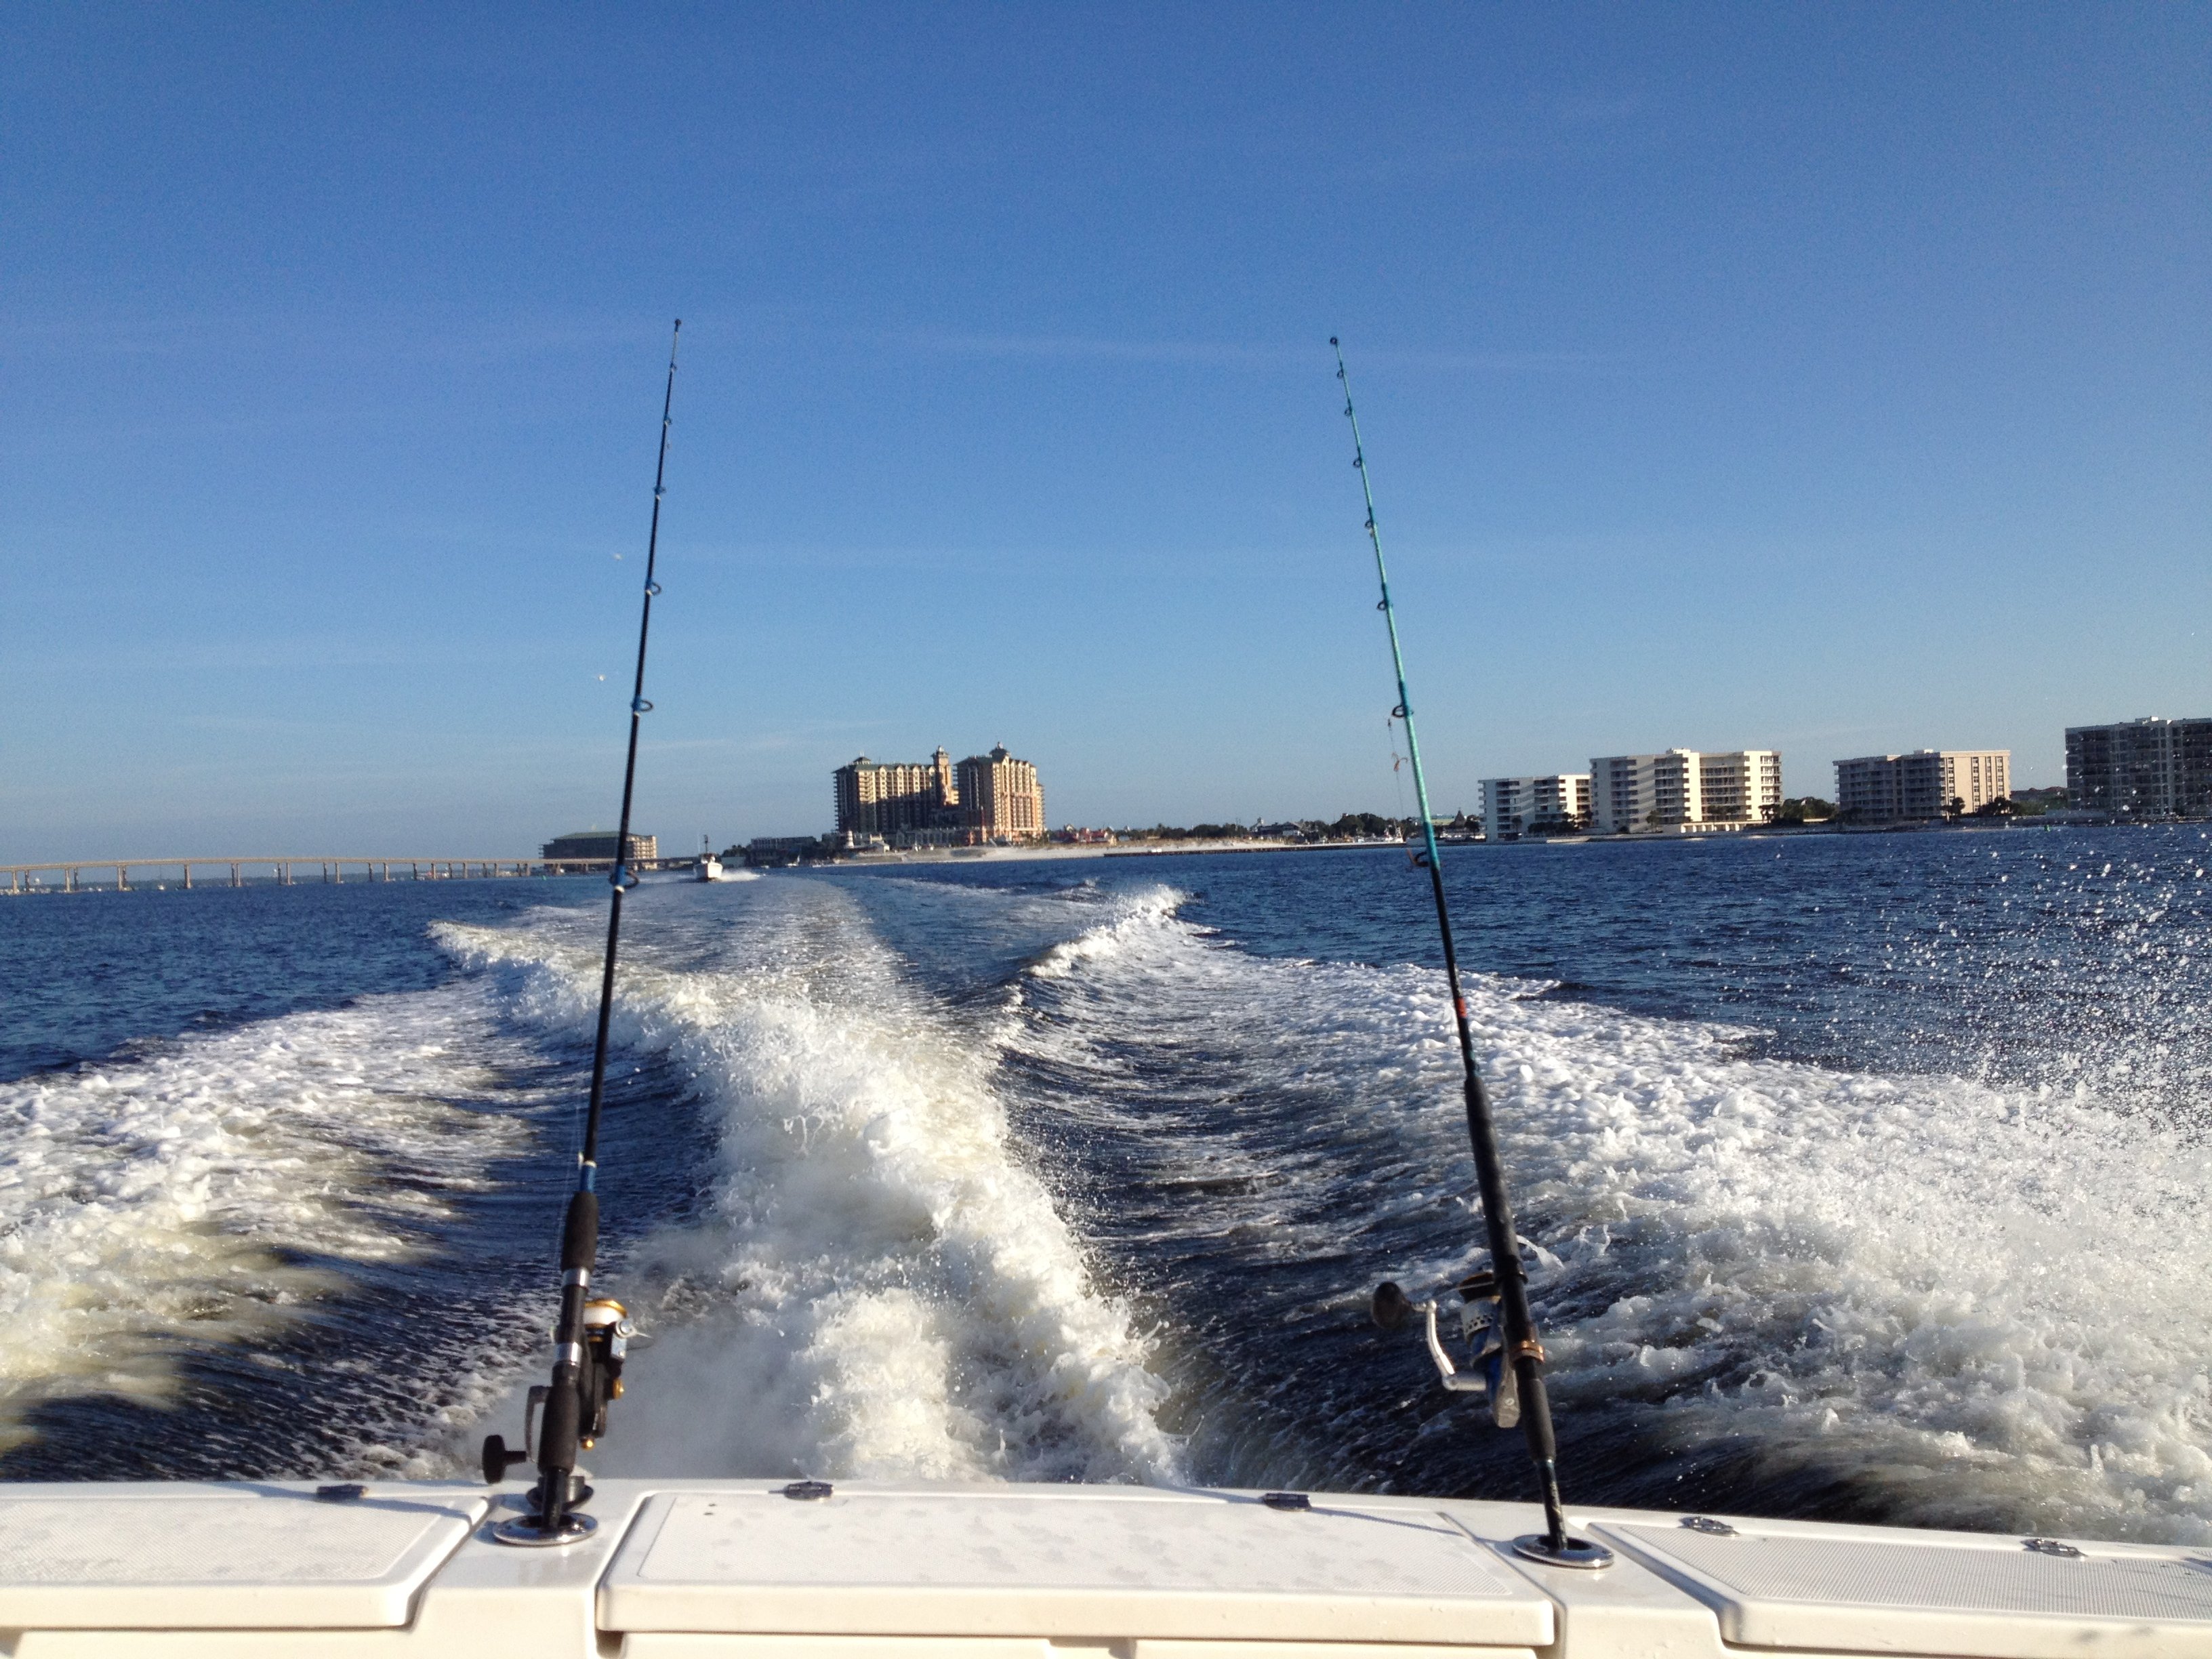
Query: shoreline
(1049, 852)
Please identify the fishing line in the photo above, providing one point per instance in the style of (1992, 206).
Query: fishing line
(1397, 766)
(1522, 1350)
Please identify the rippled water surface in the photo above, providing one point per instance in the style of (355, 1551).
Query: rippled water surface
(1868, 1172)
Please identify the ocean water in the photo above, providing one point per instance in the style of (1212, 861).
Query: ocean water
(1867, 1174)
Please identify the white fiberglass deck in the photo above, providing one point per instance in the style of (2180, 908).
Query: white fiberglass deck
(1126, 1561)
(736, 1568)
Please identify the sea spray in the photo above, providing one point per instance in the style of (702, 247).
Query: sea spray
(1973, 1307)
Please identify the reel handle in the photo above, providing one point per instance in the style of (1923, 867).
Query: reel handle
(1390, 1307)
(497, 1459)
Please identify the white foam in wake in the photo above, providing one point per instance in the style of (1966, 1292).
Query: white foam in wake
(155, 1203)
(883, 1289)
(1991, 1308)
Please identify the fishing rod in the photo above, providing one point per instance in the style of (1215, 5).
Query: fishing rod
(589, 1341)
(1506, 1283)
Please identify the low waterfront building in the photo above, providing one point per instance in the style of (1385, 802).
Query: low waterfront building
(1517, 806)
(2149, 768)
(1927, 783)
(770, 851)
(1685, 789)
(579, 846)
(1000, 798)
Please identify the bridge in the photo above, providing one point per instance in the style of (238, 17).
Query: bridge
(75, 875)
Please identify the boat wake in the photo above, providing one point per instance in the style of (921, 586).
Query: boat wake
(1051, 1182)
(881, 1288)
(1917, 1297)
(211, 1190)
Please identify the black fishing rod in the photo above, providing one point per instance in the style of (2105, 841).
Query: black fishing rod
(1508, 1280)
(589, 1340)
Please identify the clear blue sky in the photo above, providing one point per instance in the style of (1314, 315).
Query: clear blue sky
(1830, 378)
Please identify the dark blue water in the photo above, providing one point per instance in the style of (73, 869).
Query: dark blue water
(1868, 1171)
(2024, 955)
(88, 972)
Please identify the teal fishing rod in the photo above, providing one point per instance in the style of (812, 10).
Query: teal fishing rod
(1523, 1352)
(589, 1340)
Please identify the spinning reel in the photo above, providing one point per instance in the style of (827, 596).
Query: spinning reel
(1489, 1375)
(1506, 1376)
(607, 1331)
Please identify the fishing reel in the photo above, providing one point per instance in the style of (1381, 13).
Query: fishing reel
(607, 1332)
(1488, 1373)
(1481, 1331)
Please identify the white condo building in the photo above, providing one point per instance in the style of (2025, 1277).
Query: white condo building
(1512, 806)
(1686, 788)
(1886, 788)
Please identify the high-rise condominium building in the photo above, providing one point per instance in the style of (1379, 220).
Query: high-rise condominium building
(1928, 783)
(1685, 786)
(1513, 806)
(985, 797)
(893, 798)
(2151, 768)
(999, 798)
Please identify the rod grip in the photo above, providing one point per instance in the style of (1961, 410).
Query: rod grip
(557, 1444)
(1536, 1412)
(579, 1234)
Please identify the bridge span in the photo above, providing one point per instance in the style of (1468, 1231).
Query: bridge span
(80, 875)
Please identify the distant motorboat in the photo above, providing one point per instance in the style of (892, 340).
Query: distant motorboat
(709, 868)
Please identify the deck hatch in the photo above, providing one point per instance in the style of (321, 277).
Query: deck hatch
(1776, 1585)
(1106, 1564)
(133, 1557)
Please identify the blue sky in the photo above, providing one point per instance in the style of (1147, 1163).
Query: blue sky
(1825, 378)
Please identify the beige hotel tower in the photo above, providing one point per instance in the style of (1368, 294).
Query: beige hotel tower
(934, 803)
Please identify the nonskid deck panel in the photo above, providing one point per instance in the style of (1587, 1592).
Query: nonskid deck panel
(264, 1555)
(1783, 1584)
(1130, 1562)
